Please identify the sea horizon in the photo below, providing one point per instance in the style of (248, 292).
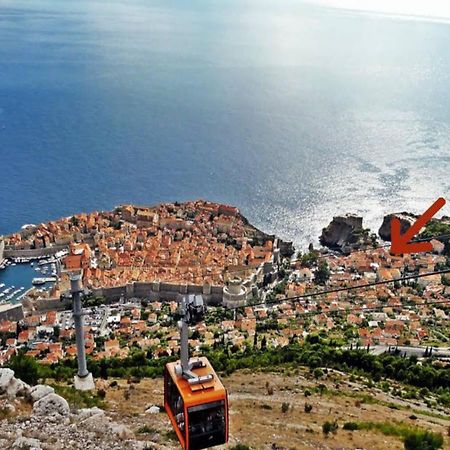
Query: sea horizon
(292, 112)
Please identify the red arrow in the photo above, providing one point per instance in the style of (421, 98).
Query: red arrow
(400, 243)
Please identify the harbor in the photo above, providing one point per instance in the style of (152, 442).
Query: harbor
(19, 275)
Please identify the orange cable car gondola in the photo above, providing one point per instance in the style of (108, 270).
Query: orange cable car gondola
(194, 398)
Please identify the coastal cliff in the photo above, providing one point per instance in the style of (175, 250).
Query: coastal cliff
(406, 220)
(345, 233)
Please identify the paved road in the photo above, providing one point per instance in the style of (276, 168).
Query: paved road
(438, 352)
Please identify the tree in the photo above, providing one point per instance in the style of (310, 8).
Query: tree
(25, 368)
(309, 259)
(263, 343)
(322, 274)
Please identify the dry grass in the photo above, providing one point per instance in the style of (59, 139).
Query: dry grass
(257, 420)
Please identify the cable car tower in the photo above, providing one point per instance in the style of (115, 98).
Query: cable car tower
(72, 266)
(194, 398)
(83, 380)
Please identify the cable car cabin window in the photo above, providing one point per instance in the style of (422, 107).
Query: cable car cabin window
(207, 425)
(175, 402)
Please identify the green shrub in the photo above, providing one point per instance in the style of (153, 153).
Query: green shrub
(423, 440)
(329, 427)
(79, 399)
(308, 407)
(351, 426)
(284, 407)
(413, 438)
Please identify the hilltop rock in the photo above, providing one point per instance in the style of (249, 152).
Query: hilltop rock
(85, 413)
(153, 410)
(406, 220)
(6, 407)
(345, 233)
(11, 386)
(39, 391)
(6, 375)
(51, 404)
(53, 426)
(98, 422)
(23, 443)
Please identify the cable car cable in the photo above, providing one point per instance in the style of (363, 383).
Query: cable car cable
(351, 288)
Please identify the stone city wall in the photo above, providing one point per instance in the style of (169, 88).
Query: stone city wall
(33, 253)
(11, 312)
(51, 304)
(156, 291)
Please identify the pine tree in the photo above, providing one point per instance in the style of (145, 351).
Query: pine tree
(264, 343)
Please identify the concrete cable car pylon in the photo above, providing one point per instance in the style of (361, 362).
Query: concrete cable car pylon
(72, 265)
(83, 380)
(192, 310)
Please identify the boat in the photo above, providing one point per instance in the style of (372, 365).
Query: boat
(47, 261)
(41, 281)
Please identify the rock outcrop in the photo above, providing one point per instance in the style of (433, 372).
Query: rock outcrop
(345, 233)
(52, 425)
(12, 386)
(51, 404)
(406, 220)
(153, 410)
(96, 420)
(6, 407)
(39, 391)
(22, 443)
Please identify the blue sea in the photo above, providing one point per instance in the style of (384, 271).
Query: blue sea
(291, 111)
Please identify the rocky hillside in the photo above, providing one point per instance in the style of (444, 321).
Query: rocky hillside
(37, 418)
(285, 410)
